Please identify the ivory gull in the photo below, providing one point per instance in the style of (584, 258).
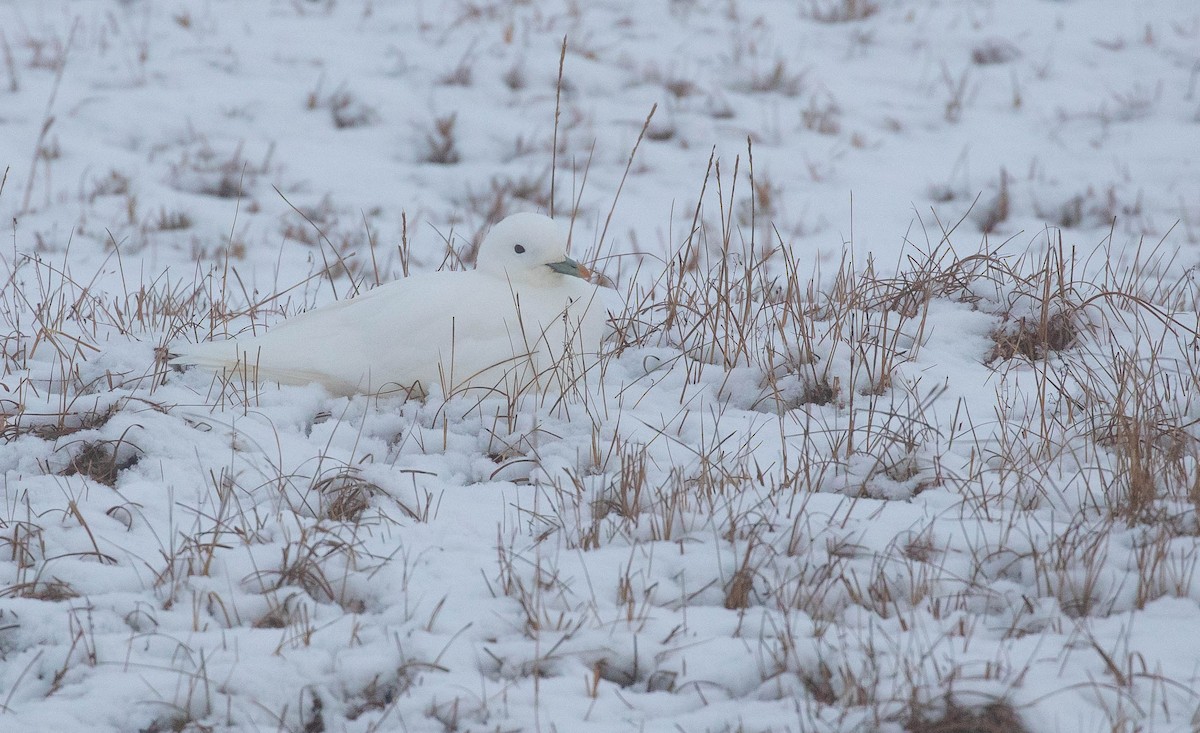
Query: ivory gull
(525, 318)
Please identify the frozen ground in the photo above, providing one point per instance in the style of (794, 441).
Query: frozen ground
(900, 430)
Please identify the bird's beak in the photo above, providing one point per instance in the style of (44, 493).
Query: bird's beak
(570, 267)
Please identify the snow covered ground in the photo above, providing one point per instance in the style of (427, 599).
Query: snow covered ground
(900, 430)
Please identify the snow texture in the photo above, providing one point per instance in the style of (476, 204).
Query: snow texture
(900, 427)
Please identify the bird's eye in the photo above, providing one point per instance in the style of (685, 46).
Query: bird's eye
(519, 249)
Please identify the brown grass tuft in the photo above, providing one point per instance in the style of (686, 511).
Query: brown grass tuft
(841, 11)
(1032, 339)
(100, 461)
(441, 145)
(52, 590)
(995, 717)
(345, 495)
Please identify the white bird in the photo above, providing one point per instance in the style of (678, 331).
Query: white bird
(525, 318)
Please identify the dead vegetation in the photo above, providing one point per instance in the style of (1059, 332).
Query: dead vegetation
(345, 495)
(995, 717)
(346, 109)
(803, 403)
(858, 491)
(227, 174)
(840, 11)
(101, 461)
(441, 145)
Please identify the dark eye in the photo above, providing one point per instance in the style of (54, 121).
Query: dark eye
(519, 249)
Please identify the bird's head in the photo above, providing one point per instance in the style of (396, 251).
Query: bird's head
(528, 247)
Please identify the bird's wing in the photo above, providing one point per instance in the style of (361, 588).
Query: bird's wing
(451, 329)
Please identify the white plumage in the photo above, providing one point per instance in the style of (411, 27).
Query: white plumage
(525, 318)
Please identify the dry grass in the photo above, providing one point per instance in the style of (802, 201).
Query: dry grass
(860, 495)
(441, 145)
(840, 11)
(100, 461)
(344, 495)
(798, 413)
(207, 170)
(996, 717)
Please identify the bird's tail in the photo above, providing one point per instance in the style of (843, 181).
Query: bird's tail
(249, 362)
(210, 355)
(233, 358)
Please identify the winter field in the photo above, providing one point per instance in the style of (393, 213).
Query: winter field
(898, 431)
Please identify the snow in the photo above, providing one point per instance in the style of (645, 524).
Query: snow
(817, 495)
